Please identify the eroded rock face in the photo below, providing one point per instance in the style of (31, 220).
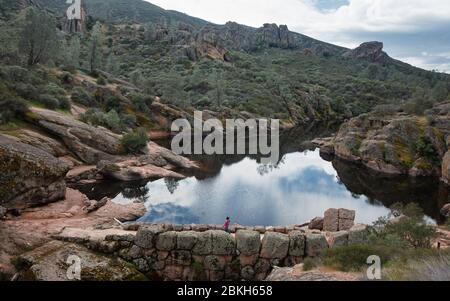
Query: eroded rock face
(29, 176)
(90, 144)
(391, 144)
(233, 36)
(372, 51)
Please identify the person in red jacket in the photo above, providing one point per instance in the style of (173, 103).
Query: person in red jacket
(226, 226)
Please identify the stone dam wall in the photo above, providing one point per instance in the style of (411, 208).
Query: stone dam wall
(204, 252)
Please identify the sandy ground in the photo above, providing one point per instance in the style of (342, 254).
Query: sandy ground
(36, 226)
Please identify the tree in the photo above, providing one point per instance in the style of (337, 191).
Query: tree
(74, 51)
(440, 91)
(38, 36)
(218, 87)
(95, 47)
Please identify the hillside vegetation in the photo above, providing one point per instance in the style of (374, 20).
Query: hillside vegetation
(231, 69)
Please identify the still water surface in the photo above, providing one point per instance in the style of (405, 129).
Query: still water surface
(302, 186)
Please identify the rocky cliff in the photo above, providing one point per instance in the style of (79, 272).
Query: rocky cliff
(29, 175)
(398, 144)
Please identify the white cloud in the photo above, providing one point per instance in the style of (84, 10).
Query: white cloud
(347, 25)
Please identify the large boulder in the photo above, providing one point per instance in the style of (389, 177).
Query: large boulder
(146, 236)
(331, 220)
(248, 242)
(371, 51)
(274, 246)
(315, 244)
(186, 240)
(30, 176)
(316, 224)
(223, 243)
(297, 243)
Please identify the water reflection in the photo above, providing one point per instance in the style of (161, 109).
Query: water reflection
(299, 188)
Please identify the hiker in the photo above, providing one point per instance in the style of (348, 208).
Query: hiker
(226, 226)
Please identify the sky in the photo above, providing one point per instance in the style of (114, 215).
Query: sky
(414, 31)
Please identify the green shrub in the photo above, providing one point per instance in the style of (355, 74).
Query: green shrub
(112, 121)
(410, 229)
(353, 258)
(135, 141)
(64, 104)
(141, 102)
(12, 107)
(310, 263)
(101, 81)
(49, 101)
(79, 95)
(426, 149)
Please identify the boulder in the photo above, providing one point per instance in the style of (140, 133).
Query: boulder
(146, 236)
(315, 244)
(203, 246)
(358, 234)
(166, 241)
(181, 257)
(186, 240)
(371, 51)
(30, 176)
(95, 205)
(297, 242)
(345, 224)
(214, 263)
(274, 245)
(337, 239)
(316, 224)
(347, 214)
(331, 220)
(223, 243)
(248, 273)
(248, 242)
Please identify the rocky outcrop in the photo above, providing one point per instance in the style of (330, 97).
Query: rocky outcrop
(233, 36)
(51, 262)
(297, 273)
(88, 143)
(394, 144)
(29, 175)
(371, 51)
(101, 149)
